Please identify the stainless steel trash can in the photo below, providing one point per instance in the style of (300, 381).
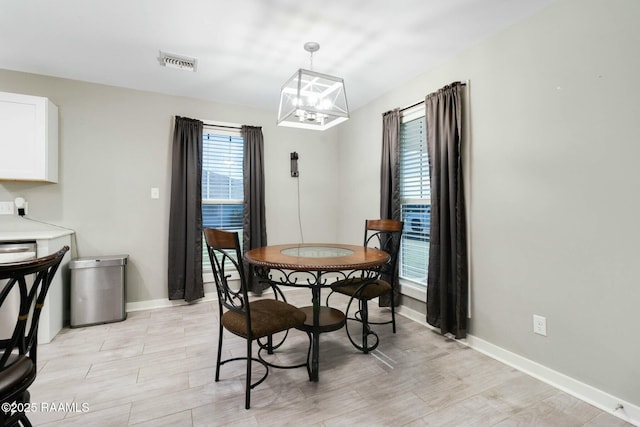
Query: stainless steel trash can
(98, 286)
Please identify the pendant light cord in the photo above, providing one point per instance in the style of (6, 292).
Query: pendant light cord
(299, 215)
(311, 47)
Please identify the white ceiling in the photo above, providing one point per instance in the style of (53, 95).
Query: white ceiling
(246, 49)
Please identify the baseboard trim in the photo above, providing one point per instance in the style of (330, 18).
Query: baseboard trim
(165, 303)
(598, 398)
(414, 315)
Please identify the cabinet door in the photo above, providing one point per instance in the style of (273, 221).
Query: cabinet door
(28, 138)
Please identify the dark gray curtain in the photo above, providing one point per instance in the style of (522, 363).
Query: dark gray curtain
(254, 224)
(390, 186)
(390, 166)
(447, 285)
(185, 217)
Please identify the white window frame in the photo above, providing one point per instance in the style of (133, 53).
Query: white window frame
(412, 288)
(231, 130)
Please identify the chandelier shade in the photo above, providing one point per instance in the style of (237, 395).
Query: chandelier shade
(312, 100)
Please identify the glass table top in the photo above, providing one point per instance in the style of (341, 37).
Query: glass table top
(317, 252)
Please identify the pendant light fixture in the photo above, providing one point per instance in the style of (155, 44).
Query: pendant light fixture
(312, 100)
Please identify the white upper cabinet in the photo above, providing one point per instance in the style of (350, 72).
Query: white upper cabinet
(28, 138)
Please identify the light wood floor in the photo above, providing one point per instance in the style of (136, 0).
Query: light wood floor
(157, 367)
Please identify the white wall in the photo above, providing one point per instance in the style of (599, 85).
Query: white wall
(553, 186)
(115, 145)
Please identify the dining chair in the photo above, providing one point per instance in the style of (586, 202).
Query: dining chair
(23, 285)
(252, 320)
(384, 234)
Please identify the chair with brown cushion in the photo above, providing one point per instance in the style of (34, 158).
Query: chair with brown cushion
(384, 234)
(23, 285)
(251, 320)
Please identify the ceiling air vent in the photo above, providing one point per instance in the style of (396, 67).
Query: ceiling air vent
(178, 61)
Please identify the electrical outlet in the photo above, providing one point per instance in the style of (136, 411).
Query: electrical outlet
(540, 325)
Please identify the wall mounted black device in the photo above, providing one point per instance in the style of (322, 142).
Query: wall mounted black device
(294, 165)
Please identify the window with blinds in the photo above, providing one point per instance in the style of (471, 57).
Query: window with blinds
(222, 183)
(415, 194)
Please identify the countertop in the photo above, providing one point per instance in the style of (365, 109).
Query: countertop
(13, 228)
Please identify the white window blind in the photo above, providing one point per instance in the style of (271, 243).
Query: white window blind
(414, 161)
(222, 167)
(222, 183)
(415, 194)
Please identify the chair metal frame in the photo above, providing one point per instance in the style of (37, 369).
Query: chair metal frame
(18, 354)
(225, 255)
(384, 234)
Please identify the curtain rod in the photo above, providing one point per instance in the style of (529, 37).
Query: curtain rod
(412, 105)
(422, 102)
(221, 126)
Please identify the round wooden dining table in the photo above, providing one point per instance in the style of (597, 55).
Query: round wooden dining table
(307, 265)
